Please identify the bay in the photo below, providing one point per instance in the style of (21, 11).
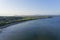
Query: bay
(41, 29)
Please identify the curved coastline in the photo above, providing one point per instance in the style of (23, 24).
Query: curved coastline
(1, 27)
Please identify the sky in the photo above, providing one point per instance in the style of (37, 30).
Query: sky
(29, 7)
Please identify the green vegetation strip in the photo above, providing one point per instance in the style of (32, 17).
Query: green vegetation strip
(9, 20)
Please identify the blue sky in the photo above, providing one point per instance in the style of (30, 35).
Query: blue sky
(29, 7)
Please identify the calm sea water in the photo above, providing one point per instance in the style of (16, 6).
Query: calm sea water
(43, 29)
